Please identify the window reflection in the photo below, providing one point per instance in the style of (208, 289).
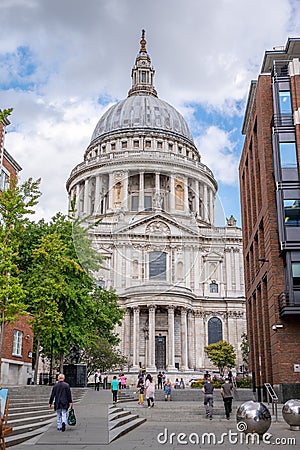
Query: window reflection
(292, 213)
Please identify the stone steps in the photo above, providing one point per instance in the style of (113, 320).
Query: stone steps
(28, 411)
(121, 422)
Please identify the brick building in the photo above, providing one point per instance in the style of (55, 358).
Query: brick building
(16, 357)
(270, 200)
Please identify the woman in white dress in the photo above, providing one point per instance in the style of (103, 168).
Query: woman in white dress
(150, 390)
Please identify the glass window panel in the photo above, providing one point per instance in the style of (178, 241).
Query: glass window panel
(288, 154)
(17, 343)
(213, 287)
(134, 203)
(214, 330)
(157, 265)
(292, 213)
(285, 102)
(148, 202)
(296, 274)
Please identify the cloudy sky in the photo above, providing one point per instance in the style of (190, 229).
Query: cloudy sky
(64, 62)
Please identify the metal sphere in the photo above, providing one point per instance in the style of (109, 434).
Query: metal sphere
(291, 413)
(253, 417)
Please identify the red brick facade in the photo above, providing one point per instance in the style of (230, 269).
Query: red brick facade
(273, 350)
(25, 328)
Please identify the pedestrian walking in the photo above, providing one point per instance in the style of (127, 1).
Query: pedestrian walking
(208, 390)
(227, 394)
(159, 380)
(168, 390)
(150, 390)
(141, 392)
(182, 385)
(114, 389)
(97, 380)
(62, 397)
(123, 381)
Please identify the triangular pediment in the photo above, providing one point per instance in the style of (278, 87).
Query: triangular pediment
(159, 224)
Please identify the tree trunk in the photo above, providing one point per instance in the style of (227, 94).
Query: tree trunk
(36, 365)
(61, 363)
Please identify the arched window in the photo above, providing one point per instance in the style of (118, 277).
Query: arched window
(213, 287)
(214, 330)
(157, 265)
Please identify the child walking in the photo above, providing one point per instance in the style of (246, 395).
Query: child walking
(141, 392)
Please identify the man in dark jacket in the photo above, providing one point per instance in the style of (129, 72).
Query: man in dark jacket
(61, 394)
(208, 390)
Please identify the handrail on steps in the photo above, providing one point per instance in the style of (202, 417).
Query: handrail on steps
(274, 399)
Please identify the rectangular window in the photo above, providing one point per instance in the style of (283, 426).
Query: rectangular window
(113, 146)
(134, 203)
(159, 144)
(213, 288)
(148, 202)
(285, 102)
(296, 275)
(4, 180)
(136, 144)
(148, 144)
(124, 144)
(157, 265)
(292, 213)
(17, 344)
(143, 76)
(288, 155)
(170, 146)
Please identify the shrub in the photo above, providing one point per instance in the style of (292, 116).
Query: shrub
(244, 382)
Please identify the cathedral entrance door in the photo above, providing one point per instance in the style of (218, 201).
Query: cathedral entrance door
(160, 352)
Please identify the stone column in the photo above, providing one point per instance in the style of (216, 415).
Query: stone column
(184, 342)
(110, 190)
(199, 341)
(77, 204)
(211, 207)
(205, 203)
(97, 195)
(186, 195)
(141, 192)
(126, 322)
(171, 340)
(86, 197)
(191, 338)
(125, 198)
(227, 252)
(135, 337)
(172, 193)
(151, 342)
(237, 267)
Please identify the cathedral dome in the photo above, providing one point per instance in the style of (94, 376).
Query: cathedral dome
(142, 112)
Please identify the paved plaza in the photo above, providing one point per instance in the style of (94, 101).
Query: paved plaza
(169, 425)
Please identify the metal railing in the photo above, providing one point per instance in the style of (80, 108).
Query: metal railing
(272, 398)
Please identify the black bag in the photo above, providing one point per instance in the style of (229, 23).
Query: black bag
(71, 417)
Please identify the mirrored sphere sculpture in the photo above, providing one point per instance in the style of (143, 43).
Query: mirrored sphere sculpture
(253, 417)
(291, 413)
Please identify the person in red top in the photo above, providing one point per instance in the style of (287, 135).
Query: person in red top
(61, 394)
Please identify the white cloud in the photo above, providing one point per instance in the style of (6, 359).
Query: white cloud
(217, 152)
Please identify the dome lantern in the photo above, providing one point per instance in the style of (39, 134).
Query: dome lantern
(142, 73)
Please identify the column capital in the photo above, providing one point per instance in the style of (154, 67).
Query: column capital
(136, 309)
(171, 309)
(183, 310)
(151, 307)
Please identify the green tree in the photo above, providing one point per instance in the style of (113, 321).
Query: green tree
(100, 354)
(15, 205)
(245, 349)
(5, 113)
(222, 354)
(60, 282)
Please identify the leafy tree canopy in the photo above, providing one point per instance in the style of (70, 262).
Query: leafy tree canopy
(222, 354)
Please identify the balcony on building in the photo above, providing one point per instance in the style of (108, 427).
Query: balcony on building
(289, 305)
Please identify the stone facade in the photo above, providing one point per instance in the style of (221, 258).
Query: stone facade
(178, 276)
